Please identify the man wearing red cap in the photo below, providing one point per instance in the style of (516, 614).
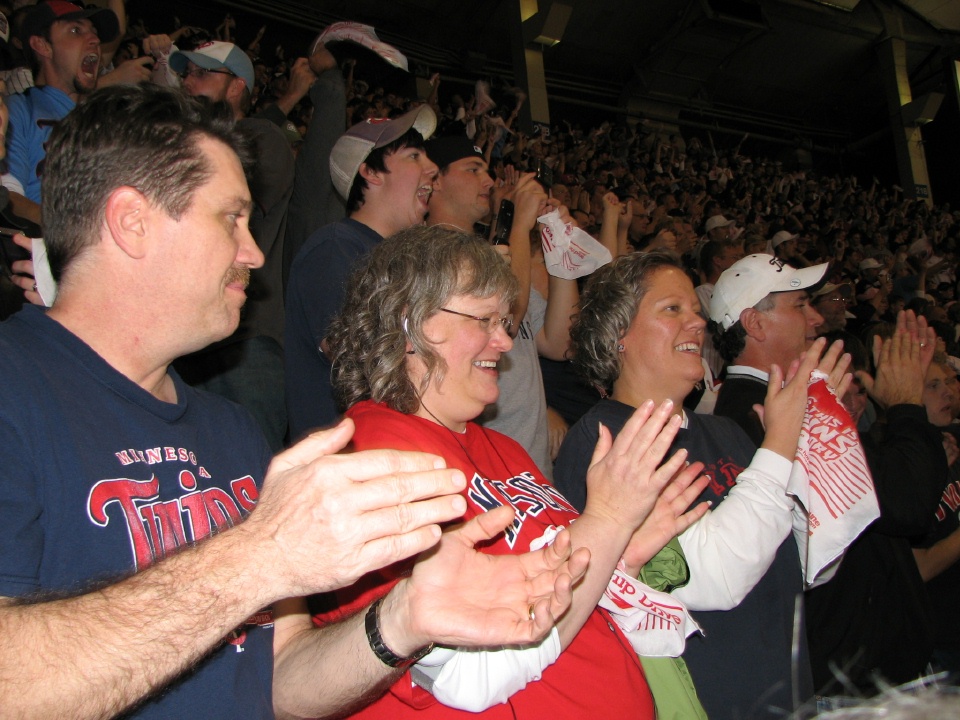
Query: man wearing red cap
(63, 46)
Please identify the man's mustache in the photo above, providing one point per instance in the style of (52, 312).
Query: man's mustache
(239, 275)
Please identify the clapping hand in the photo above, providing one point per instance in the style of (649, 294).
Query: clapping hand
(457, 595)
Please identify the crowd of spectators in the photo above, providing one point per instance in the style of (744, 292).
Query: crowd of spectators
(675, 182)
(885, 264)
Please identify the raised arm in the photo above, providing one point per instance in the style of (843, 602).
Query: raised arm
(624, 482)
(314, 202)
(553, 339)
(107, 50)
(302, 79)
(529, 200)
(732, 547)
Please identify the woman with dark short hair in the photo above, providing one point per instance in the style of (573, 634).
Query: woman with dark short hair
(638, 336)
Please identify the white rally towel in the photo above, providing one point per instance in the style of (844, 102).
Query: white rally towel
(568, 251)
(362, 35)
(655, 623)
(831, 480)
(484, 103)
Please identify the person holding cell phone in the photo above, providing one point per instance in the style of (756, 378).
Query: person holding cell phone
(462, 196)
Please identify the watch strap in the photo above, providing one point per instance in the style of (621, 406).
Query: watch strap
(371, 623)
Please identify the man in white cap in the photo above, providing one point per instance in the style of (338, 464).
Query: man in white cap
(760, 316)
(869, 276)
(382, 170)
(784, 245)
(718, 228)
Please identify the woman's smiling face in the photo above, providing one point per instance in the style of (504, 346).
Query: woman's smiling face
(470, 354)
(661, 348)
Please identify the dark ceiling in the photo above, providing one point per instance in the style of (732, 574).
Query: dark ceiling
(790, 68)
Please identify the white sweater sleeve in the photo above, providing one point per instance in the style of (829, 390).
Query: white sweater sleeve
(730, 548)
(475, 680)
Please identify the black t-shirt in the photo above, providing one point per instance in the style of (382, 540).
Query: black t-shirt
(742, 664)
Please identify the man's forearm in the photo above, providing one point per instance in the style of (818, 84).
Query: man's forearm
(305, 654)
(125, 641)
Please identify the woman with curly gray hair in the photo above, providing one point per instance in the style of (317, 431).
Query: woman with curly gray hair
(415, 354)
(390, 299)
(638, 336)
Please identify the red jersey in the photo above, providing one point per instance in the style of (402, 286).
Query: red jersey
(598, 675)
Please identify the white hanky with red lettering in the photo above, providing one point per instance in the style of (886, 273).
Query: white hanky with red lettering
(831, 481)
(655, 623)
(366, 36)
(484, 103)
(568, 251)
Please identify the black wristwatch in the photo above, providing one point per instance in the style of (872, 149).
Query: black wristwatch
(371, 623)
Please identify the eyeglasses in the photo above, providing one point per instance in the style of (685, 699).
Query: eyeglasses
(200, 73)
(488, 323)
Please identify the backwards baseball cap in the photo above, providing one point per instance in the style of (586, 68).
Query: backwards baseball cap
(42, 15)
(450, 148)
(356, 144)
(750, 280)
(215, 55)
(717, 221)
(781, 237)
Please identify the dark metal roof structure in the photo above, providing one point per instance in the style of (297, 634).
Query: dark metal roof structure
(799, 66)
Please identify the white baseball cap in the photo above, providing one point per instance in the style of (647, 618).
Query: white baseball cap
(782, 237)
(717, 221)
(750, 280)
(356, 144)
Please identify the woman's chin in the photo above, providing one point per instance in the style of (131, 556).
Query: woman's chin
(691, 379)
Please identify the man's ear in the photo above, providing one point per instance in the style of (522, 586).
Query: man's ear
(127, 218)
(371, 176)
(235, 89)
(41, 46)
(753, 323)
